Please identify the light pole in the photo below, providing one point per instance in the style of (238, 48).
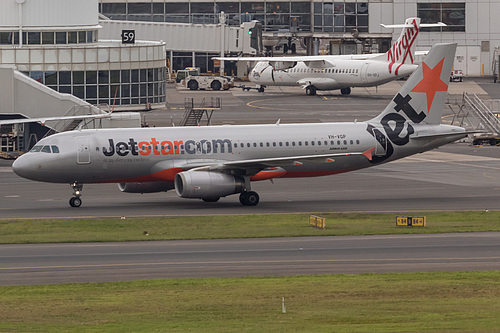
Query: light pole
(222, 21)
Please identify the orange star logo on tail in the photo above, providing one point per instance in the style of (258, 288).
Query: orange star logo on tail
(431, 82)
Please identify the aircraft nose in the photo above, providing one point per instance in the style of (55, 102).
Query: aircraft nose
(20, 166)
(24, 167)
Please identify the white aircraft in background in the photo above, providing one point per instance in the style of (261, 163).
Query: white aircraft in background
(328, 72)
(216, 161)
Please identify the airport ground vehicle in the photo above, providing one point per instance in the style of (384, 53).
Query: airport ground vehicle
(492, 140)
(183, 73)
(457, 75)
(192, 79)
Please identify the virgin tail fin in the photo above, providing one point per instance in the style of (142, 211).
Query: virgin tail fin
(403, 50)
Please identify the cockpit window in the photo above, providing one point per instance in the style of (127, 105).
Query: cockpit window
(45, 149)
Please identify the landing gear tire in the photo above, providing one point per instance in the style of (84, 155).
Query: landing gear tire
(345, 91)
(310, 90)
(193, 85)
(75, 202)
(249, 198)
(261, 89)
(215, 85)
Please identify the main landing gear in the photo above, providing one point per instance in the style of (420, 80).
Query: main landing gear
(249, 198)
(75, 201)
(310, 90)
(345, 91)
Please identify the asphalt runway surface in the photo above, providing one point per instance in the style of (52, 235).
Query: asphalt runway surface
(454, 177)
(101, 262)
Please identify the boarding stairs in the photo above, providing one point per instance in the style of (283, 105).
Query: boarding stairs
(475, 114)
(193, 115)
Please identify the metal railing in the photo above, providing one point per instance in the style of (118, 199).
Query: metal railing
(193, 115)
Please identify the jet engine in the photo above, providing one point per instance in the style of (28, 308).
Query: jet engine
(282, 65)
(206, 185)
(149, 187)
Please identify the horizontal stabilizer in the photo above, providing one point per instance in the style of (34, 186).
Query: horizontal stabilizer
(422, 25)
(437, 135)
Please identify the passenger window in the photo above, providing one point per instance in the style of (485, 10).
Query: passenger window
(46, 149)
(261, 144)
(357, 142)
(36, 149)
(235, 145)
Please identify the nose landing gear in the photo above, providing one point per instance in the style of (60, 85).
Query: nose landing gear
(75, 201)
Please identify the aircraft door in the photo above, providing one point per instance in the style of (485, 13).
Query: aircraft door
(381, 148)
(364, 71)
(82, 150)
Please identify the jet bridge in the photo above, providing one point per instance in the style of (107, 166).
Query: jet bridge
(22, 97)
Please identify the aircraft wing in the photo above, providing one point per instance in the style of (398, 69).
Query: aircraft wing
(44, 120)
(253, 166)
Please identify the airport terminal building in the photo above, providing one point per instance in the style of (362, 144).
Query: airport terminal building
(339, 27)
(56, 42)
(68, 46)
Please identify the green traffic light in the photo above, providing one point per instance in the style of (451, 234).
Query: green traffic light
(250, 32)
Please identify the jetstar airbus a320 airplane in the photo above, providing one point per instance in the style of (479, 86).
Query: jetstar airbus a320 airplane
(329, 72)
(216, 161)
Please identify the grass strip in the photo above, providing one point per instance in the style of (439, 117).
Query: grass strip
(418, 302)
(235, 226)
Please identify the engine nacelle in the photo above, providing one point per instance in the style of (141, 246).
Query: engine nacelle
(207, 185)
(281, 65)
(149, 187)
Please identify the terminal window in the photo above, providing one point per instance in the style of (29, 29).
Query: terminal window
(452, 14)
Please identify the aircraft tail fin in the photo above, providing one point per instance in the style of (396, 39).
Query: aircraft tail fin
(403, 50)
(421, 99)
